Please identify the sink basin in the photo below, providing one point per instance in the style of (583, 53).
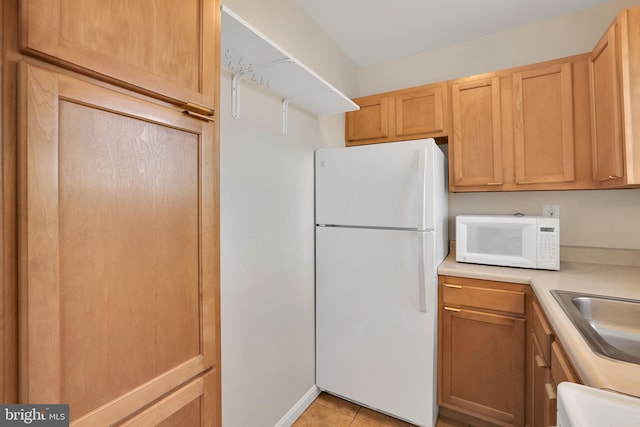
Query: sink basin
(611, 326)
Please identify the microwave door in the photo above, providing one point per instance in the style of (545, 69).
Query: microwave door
(501, 243)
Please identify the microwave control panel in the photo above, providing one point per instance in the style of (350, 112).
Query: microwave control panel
(548, 244)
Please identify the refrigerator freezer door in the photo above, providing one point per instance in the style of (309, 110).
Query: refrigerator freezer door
(374, 345)
(382, 185)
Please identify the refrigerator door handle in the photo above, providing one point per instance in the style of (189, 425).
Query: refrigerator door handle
(422, 183)
(422, 292)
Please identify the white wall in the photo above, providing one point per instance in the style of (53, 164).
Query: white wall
(267, 225)
(267, 260)
(554, 38)
(604, 218)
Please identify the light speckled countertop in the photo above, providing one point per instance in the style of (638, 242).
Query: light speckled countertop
(614, 280)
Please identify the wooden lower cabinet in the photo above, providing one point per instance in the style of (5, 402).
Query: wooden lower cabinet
(499, 360)
(547, 365)
(117, 245)
(540, 390)
(482, 351)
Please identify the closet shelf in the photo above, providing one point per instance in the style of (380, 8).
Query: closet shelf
(251, 56)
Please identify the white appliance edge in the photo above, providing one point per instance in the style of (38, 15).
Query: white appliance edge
(381, 212)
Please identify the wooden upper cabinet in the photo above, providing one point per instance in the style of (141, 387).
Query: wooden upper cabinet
(163, 48)
(527, 128)
(118, 249)
(543, 125)
(615, 104)
(420, 112)
(414, 113)
(605, 105)
(371, 121)
(475, 142)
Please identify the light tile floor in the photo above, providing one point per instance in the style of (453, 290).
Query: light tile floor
(330, 411)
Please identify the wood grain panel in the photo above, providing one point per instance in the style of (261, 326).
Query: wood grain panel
(487, 298)
(8, 211)
(152, 46)
(543, 125)
(371, 121)
(118, 271)
(542, 330)
(188, 406)
(542, 410)
(483, 365)
(420, 112)
(477, 142)
(605, 109)
(128, 203)
(561, 368)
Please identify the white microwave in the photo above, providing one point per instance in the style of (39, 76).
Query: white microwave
(512, 241)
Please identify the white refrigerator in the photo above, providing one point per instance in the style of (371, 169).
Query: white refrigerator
(381, 232)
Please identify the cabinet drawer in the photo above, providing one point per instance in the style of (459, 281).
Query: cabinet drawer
(491, 299)
(561, 368)
(542, 330)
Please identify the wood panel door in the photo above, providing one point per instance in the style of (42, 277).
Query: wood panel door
(371, 121)
(420, 113)
(118, 248)
(543, 125)
(483, 365)
(543, 403)
(165, 48)
(606, 129)
(188, 406)
(477, 136)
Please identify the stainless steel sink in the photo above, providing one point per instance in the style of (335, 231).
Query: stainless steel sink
(611, 326)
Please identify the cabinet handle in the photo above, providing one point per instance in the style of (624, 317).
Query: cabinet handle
(494, 183)
(455, 310)
(198, 108)
(550, 389)
(530, 182)
(446, 285)
(199, 116)
(610, 177)
(540, 362)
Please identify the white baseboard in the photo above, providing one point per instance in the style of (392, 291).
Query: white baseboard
(300, 406)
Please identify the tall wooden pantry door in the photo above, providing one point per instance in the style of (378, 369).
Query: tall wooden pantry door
(117, 255)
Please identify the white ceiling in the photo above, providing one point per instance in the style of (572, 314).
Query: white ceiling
(371, 32)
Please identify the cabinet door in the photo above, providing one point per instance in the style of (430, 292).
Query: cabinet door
(542, 389)
(420, 113)
(371, 121)
(606, 128)
(543, 125)
(117, 246)
(477, 142)
(561, 368)
(163, 47)
(483, 365)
